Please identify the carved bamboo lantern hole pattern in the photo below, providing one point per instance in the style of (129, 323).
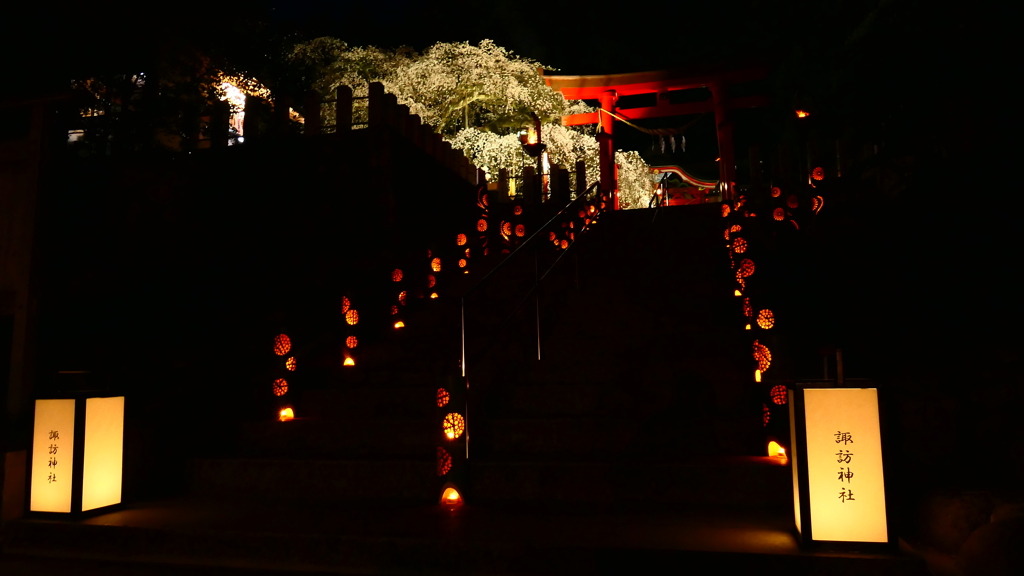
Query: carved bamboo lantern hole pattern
(352, 317)
(518, 210)
(506, 229)
(746, 268)
(765, 319)
(461, 240)
(778, 394)
(396, 276)
(779, 214)
(481, 225)
(444, 461)
(282, 344)
(763, 356)
(431, 280)
(394, 309)
(748, 310)
(520, 230)
(818, 173)
(766, 414)
(442, 397)
(290, 364)
(462, 263)
(435, 264)
(725, 210)
(345, 304)
(351, 342)
(454, 425)
(739, 245)
(792, 201)
(280, 387)
(402, 297)
(776, 192)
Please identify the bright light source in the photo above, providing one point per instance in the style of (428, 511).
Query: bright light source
(433, 294)
(737, 293)
(349, 362)
(802, 114)
(399, 324)
(757, 375)
(775, 450)
(286, 415)
(748, 327)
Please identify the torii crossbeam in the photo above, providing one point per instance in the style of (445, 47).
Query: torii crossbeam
(608, 88)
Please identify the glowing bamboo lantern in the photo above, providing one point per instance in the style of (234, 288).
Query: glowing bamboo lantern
(77, 453)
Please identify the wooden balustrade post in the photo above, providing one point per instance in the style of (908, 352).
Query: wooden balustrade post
(313, 121)
(343, 109)
(581, 177)
(220, 117)
(376, 105)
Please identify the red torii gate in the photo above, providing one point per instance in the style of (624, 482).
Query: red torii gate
(608, 88)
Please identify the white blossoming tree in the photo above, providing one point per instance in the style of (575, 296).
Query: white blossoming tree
(477, 97)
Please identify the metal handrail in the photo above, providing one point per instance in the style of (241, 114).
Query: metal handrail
(462, 302)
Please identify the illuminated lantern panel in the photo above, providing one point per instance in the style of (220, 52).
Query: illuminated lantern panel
(282, 344)
(816, 203)
(399, 324)
(726, 233)
(280, 387)
(779, 214)
(747, 309)
(349, 362)
(765, 319)
(776, 192)
(778, 394)
(551, 236)
(460, 239)
(842, 461)
(431, 281)
(352, 317)
(725, 210)
(435, 264)
(506, 229)
(290, 364)
(345, 304)
(433, 295)
(454, 425)
(444, 461)
(481, 225)
(739, 245)
(396, 276)
(462, 263)
(737, 293)
(402, 297)
(775, 450)
(442, 397)
(517, 210)
(766, 414)
(394, 309)
(351, 342)
(520, 230)
(735, 228)
(565, 244)
(792, 201)
(746, 269)
(802, 114)
(763, 356)
(757, 375)
(818, 173)
(286, 414)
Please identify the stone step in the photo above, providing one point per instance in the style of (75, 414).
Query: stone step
(340, 437)
(749, 482)
(313, 481)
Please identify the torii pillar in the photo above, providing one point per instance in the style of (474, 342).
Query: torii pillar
(606, 149)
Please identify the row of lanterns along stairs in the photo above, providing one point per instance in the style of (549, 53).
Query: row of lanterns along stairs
(628, 445)
(638, 397)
